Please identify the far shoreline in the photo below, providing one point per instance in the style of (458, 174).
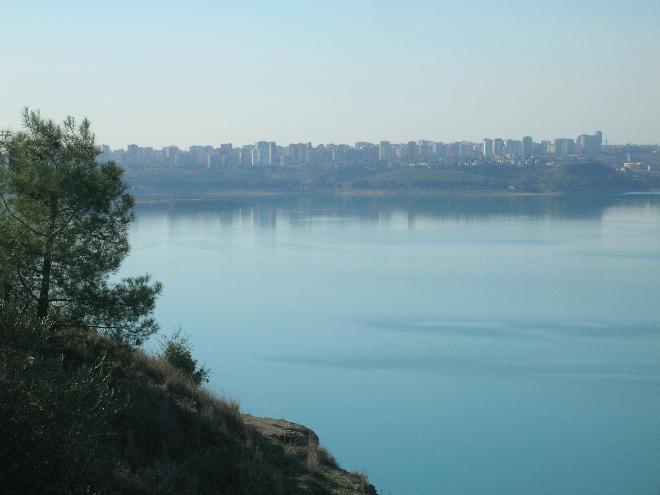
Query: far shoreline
(253, 194)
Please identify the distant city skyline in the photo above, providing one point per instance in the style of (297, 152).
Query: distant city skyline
(567, 143)
(161, 73)
(263, 154)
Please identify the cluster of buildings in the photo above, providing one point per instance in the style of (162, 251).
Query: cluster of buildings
(584, 145)
(265, 154)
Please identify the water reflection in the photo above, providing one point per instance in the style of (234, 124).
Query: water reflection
(265, 210)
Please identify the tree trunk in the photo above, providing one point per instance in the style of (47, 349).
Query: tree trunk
(44, 292)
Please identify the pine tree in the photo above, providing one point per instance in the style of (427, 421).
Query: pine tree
(63, 231)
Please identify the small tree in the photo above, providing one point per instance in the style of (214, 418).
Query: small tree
(177, 351)
(63, 231)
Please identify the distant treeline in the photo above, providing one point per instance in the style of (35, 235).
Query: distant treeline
(569, 178)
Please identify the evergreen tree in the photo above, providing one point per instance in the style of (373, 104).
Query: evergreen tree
(63, 231)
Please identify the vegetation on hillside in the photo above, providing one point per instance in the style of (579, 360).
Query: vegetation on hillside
(592, 178)
(82, 413)
(82, 409)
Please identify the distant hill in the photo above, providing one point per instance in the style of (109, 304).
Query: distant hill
(592, 178)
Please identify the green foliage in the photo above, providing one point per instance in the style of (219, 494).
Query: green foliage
(81, 413)
(592, 178)
(84, 414)
(55, 423)
(63, 231)
(177, 351)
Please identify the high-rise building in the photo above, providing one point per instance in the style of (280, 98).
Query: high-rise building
(273, 155)
(465, 150)
(564, 146)
(498, 147)
(260, 154)
(527, 149)
(512, 147)
(439, 151)
(232, 158)
(545, 147)
(411, 152)
(384, 151)
(295, 154)
(590, 144)
(201, 155)
(487, 149)
(424, 150)
(366, 152)
(453, 150)
(132, 150)
(245, 157)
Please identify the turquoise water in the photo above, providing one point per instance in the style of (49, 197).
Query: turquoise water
(459, 345)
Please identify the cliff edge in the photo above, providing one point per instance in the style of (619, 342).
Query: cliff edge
(84, 414)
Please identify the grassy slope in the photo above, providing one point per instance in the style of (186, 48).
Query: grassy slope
(163, 434)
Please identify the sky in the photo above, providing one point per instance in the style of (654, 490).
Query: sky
(159, 73)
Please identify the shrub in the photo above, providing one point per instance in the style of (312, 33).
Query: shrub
(55, 423)
(327, 458)
(177, 351)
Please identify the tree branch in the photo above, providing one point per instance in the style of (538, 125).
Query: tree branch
(25, 286)
(18, 219)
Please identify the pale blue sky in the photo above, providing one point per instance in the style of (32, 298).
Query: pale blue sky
(200, 72)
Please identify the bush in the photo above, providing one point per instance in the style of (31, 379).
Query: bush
(177, 351)
(55, 423)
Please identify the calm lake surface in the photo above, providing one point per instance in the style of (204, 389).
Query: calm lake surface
(456, 345)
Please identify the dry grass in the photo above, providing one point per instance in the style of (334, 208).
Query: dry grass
(187, 393)
(312, 463)
(327, 458)
(175, 436)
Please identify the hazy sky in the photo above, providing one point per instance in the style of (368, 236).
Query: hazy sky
(158, 72)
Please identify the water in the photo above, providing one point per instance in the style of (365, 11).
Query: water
(457, 345)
